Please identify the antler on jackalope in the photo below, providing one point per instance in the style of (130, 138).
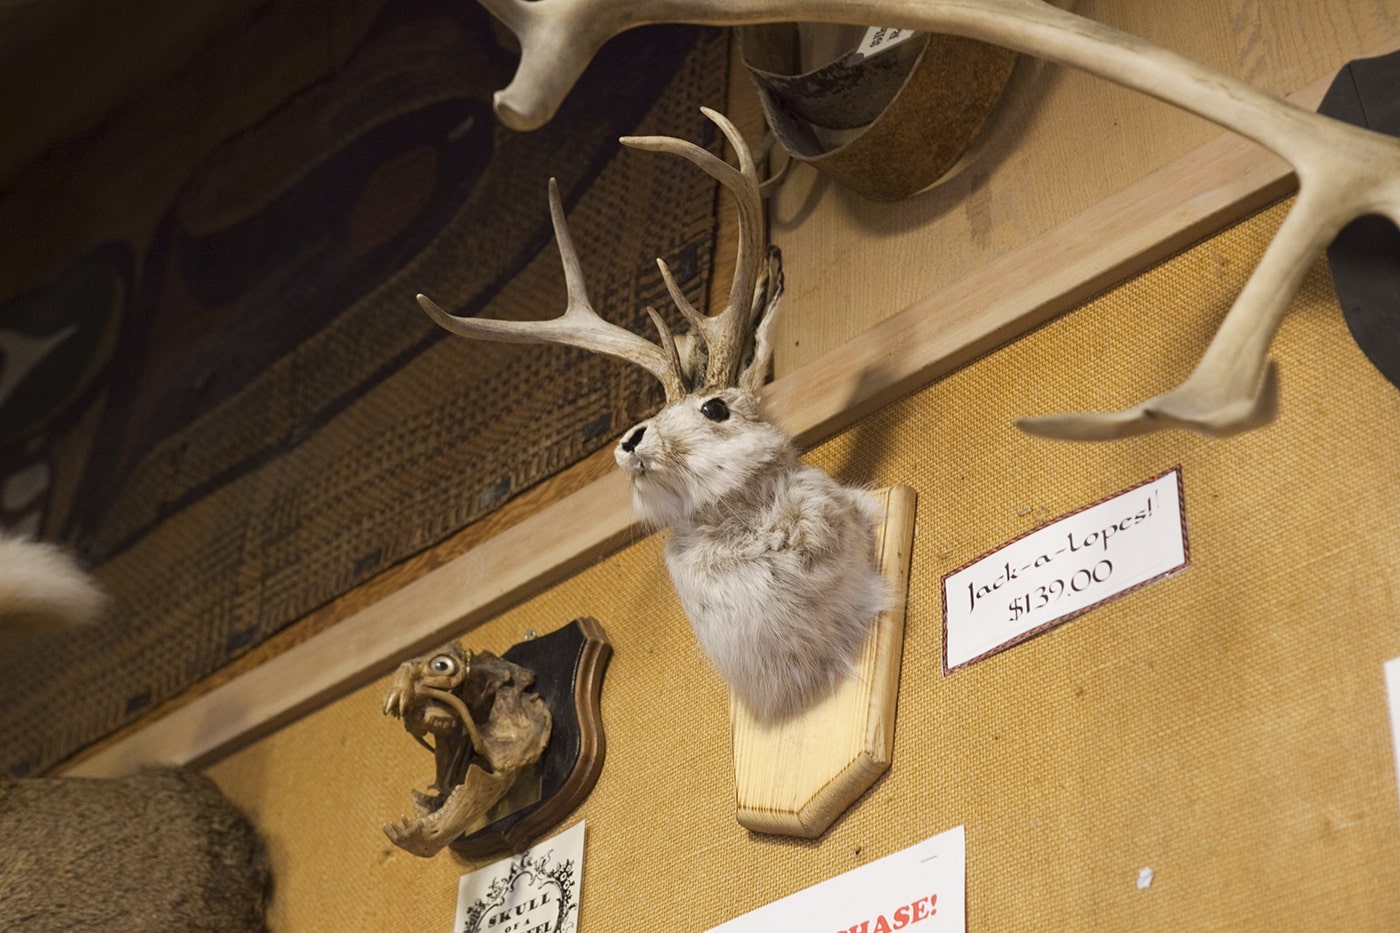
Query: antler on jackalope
(725, 336)
(1343, 171)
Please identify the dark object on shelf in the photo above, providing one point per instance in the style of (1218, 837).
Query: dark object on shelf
(1365, 256)
(908, 113)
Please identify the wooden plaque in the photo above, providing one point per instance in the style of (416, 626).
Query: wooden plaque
(796, 777)
(568, 664)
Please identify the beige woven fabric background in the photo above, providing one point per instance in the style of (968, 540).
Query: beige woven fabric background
(1226, 727)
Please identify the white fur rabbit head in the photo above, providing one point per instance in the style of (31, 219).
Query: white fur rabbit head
(699, 453)
(773, 561)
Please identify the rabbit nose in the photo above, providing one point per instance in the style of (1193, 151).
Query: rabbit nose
(631, 443)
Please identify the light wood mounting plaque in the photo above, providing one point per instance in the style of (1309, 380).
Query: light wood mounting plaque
(796, 777)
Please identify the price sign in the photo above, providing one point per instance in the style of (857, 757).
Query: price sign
(1064, 569)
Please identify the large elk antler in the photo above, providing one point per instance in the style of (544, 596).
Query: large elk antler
(1343, 171)
(725, 336)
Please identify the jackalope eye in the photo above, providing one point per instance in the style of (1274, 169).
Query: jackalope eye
(715, 409)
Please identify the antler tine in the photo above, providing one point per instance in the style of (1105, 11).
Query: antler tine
(579, 325)
(726, 333)
(668, 343)
(768, 295)
(1234, 386)
(558, 38)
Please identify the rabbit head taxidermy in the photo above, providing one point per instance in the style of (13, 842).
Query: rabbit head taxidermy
(773, 560)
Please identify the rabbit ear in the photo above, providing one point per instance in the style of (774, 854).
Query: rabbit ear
(768, 294)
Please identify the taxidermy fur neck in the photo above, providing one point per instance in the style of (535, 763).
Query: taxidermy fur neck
(774, 562)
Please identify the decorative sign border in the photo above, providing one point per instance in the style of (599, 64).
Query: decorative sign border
(537, 890)
(1110, 594)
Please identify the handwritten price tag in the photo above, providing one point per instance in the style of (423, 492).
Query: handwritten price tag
(1064, 569)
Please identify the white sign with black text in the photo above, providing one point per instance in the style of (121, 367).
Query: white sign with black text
(879, 39)
(1064, 569)
(920, 889)
(536, 891)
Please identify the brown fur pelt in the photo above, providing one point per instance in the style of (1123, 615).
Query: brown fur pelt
(158, 851)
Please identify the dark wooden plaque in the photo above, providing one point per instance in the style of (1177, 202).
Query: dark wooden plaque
(1365, 256)
(568, 664)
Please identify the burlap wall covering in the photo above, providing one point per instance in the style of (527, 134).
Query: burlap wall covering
(1225, 727)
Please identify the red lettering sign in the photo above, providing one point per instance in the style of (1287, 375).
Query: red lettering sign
(903, 916)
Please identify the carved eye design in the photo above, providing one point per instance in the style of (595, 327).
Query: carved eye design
(443, 664)
(715, 409)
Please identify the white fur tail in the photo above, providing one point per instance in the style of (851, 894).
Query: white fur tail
(42, 588)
